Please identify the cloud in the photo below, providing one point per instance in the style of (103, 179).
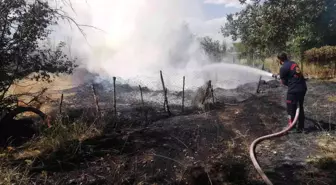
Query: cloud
(209, 28)
(227, 3)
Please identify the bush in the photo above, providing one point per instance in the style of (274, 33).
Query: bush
(324, 56)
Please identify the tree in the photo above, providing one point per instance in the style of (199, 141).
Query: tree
(247, 26)
(271, 26)
(24, 26)
(241, 49)
(213, 48)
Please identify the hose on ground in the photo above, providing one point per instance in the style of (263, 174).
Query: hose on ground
(258, 140)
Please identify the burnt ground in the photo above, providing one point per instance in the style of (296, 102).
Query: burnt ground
(198, 147)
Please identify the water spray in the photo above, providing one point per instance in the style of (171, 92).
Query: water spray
(275, 76)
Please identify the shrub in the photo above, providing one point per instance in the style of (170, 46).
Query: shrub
(324, 56)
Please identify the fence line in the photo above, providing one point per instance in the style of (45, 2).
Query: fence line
(96, 98)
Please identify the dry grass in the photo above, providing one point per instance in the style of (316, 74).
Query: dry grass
(325, 163)
(17, 175)
(272, 65)
(27, 89)
(51, 140)
(10, 175)
(55, 137)
(332, 98)
(327, 149)
(327, 144)
(30, 86)
(310, 70)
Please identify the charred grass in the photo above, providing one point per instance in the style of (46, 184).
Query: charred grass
(191, 148)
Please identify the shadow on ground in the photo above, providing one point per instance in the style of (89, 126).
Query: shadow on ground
(320, 126)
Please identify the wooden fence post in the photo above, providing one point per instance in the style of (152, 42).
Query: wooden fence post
(165, 91)
(183, 94)
(142, 101)
(60, 105)
(212, 94)
(143, 105)
(207, 91)
(95, 99)
(167, 105)
(114, 97)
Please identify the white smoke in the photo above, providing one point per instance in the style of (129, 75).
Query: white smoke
(136, 39)
(139, 38)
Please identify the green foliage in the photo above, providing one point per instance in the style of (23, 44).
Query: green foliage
(323, 55)
(24, 26)
(213, 48)
(294, 26)
(241, 49)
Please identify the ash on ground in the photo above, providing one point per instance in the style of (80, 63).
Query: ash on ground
(195, 146)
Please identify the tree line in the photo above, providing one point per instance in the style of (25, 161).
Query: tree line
(294, 26)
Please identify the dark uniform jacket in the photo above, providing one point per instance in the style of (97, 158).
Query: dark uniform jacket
(291, 76)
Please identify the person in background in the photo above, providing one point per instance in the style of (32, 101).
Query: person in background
(292, 77)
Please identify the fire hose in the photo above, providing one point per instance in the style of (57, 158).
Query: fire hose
(258, 140)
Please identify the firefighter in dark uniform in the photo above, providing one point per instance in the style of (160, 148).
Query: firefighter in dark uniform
(292, 77)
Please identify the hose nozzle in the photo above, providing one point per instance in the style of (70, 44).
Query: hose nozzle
(275, 76)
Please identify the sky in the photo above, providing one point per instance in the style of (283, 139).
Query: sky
(215, 9)
(214, 12)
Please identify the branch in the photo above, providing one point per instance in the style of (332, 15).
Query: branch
(69, 4)
(62, 15)
(11, 81)
(4, 29)
(19, 110)
(37, 96)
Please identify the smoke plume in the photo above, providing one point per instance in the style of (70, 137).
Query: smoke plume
(135, 39)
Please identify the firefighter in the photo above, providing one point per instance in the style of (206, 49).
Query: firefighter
(292, 77)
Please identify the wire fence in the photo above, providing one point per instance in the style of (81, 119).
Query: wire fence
(173, 93)
(171, 90)
(164, 92)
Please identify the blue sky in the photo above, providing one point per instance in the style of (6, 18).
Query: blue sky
(213, 11)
